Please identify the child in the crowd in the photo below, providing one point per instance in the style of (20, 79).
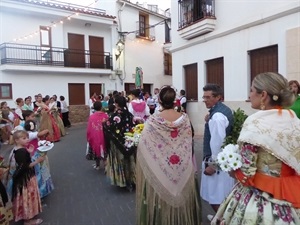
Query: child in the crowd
(42, 170)
(25, 194)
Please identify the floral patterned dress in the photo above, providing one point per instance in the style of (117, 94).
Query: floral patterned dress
(120, 165)
(247, 205)
(25, 193)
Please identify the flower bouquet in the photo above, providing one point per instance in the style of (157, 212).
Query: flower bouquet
(133, 138)
(229, 158)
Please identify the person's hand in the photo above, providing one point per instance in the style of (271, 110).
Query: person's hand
(206, 118)
(232, 174)
(210, 170)
(41, 158)
(30, 149)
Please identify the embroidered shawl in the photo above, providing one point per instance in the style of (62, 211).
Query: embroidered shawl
(165, 157)
(114, 128)
(277, 131)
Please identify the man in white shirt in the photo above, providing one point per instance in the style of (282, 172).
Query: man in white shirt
(215, 185)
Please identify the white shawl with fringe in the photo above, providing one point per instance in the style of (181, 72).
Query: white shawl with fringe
(277, 131)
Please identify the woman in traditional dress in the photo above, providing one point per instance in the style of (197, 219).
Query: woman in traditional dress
(95, 135)
(166, 184)
(294, 85)
(48, 122)
(267, 191)
(18, 119)
(138, 107)
(120, 160)
(6, 122)
(56, 115)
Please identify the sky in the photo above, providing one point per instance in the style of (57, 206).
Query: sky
(162, 4)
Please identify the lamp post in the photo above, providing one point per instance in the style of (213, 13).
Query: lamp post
(120, 47)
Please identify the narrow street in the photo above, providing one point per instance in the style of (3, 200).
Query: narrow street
(83, 195)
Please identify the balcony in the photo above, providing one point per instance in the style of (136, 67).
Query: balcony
(21, 54)
(196, 18)
(145, 31)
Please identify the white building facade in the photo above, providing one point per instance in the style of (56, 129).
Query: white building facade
(144, 31)
(50, 47)
(228, 43)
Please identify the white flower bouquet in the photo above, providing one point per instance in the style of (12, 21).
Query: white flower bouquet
(229, 158)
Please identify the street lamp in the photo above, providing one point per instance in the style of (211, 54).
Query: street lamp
(120, 47)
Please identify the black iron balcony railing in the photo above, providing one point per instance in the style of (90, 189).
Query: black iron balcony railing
(191, 11)
(11, 53)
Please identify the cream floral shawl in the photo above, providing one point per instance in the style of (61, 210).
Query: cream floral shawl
(277, 131)
(165, 156)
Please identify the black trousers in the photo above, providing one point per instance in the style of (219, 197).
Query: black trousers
(65, 119)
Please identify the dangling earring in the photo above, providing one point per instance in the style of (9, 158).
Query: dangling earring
(262, 105)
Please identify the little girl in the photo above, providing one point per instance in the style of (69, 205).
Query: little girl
(25, 193)
(42, 170)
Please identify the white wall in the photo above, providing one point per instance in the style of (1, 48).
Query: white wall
(233, 45)
(144, 53)
(28, 84)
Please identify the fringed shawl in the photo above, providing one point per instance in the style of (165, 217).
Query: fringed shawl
(165, 156)
(23, 172)
(276, 131)
(95, 135)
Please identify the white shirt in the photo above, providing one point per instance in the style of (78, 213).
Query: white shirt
(131, 110)
(182, 100)
(217, 127)
(216, 187)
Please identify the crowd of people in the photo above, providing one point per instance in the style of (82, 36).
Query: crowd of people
(27, 178)
(163, 171)
(160, 166)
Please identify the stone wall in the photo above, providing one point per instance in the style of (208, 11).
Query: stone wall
(78, 113)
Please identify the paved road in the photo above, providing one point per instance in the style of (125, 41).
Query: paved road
(82, 195)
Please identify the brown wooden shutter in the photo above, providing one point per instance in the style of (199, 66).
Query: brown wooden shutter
(263, 60)
(191, 81)
(76, 94)
(215, 71)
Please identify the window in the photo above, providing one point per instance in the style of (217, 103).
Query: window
(168, 63)
(263, 60)
(5, 91)
(45, 36)
(142, 25)
(191, 81)
(167, 33)
(191, 11)
(215, 71)
(144, 30)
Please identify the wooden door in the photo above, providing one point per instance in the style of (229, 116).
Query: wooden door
(75, 54)
(95, 88)
(96, 52)
(76, 94)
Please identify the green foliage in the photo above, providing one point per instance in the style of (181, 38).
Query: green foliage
(239, 118)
